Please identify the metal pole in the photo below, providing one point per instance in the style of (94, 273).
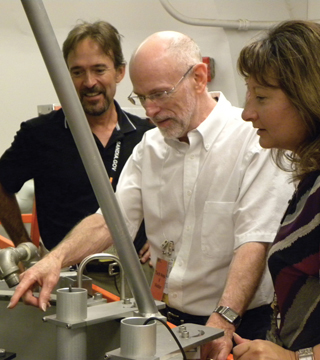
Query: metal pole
(87, 148)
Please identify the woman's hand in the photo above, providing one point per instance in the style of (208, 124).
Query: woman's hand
(259, 350)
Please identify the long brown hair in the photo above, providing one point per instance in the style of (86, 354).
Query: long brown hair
(289, 54)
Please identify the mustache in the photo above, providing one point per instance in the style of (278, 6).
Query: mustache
(161, 118)
(91, 91)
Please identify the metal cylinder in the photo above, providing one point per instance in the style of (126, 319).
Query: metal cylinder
(71, 304)
(71, 344)
(137, 340)
(71, 308)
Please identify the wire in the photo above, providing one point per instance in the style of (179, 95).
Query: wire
(115, 283)
(171, 332)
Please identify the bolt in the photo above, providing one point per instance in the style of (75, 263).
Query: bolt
(97, 296)
(185, 334)
(2, 352)
(182, 328)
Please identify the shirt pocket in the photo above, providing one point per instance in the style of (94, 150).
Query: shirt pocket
(217, 240)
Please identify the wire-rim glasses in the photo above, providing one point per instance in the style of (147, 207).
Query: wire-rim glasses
(159, 95)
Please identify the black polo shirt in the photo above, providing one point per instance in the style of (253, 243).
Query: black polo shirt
(44, 150)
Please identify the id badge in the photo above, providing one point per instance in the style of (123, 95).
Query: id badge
(159, 285)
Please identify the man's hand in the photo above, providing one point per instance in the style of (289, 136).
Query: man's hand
(144, 254)
(259, 350)
(243, 279)
(218, 349)
(46, 274)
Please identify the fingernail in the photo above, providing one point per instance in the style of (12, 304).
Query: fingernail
(44, 307)
(9, 305)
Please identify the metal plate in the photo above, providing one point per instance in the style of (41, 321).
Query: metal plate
(166, 345)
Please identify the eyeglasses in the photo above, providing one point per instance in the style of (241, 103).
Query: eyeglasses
(159, 95)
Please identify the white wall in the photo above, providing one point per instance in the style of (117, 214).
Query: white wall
(24, 79)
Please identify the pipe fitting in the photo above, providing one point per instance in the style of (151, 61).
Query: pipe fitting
(9, 259)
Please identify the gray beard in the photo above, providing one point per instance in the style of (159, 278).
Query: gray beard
(95, 110)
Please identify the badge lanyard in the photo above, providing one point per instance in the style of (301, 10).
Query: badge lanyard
(115, 160)
(168, 254)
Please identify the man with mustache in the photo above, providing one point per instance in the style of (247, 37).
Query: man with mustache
(199, 181)
(44, 149)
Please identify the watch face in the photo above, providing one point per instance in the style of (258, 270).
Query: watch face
(231, 315)
(306, 354)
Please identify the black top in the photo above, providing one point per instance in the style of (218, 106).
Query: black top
(44, 150)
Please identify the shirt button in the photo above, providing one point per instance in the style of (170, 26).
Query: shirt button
(189, 192)
(207, 146)
(174, 295)
(192, 157)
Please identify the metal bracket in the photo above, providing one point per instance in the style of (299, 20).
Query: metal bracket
(113, 269)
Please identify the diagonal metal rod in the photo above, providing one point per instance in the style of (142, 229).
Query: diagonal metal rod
(60, 77)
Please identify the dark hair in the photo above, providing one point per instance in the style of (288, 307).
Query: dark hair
(289, 55)
(106, 35)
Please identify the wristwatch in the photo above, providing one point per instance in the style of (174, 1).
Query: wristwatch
(306, 354)
(230, 315)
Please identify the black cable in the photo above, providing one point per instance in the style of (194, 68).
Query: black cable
(116, 284)
(171, 332)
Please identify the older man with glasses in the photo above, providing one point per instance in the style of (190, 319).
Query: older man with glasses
(199, 183)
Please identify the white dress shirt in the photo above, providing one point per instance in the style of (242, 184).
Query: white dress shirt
(209, 197)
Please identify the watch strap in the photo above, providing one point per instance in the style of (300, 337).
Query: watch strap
(306, 354)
